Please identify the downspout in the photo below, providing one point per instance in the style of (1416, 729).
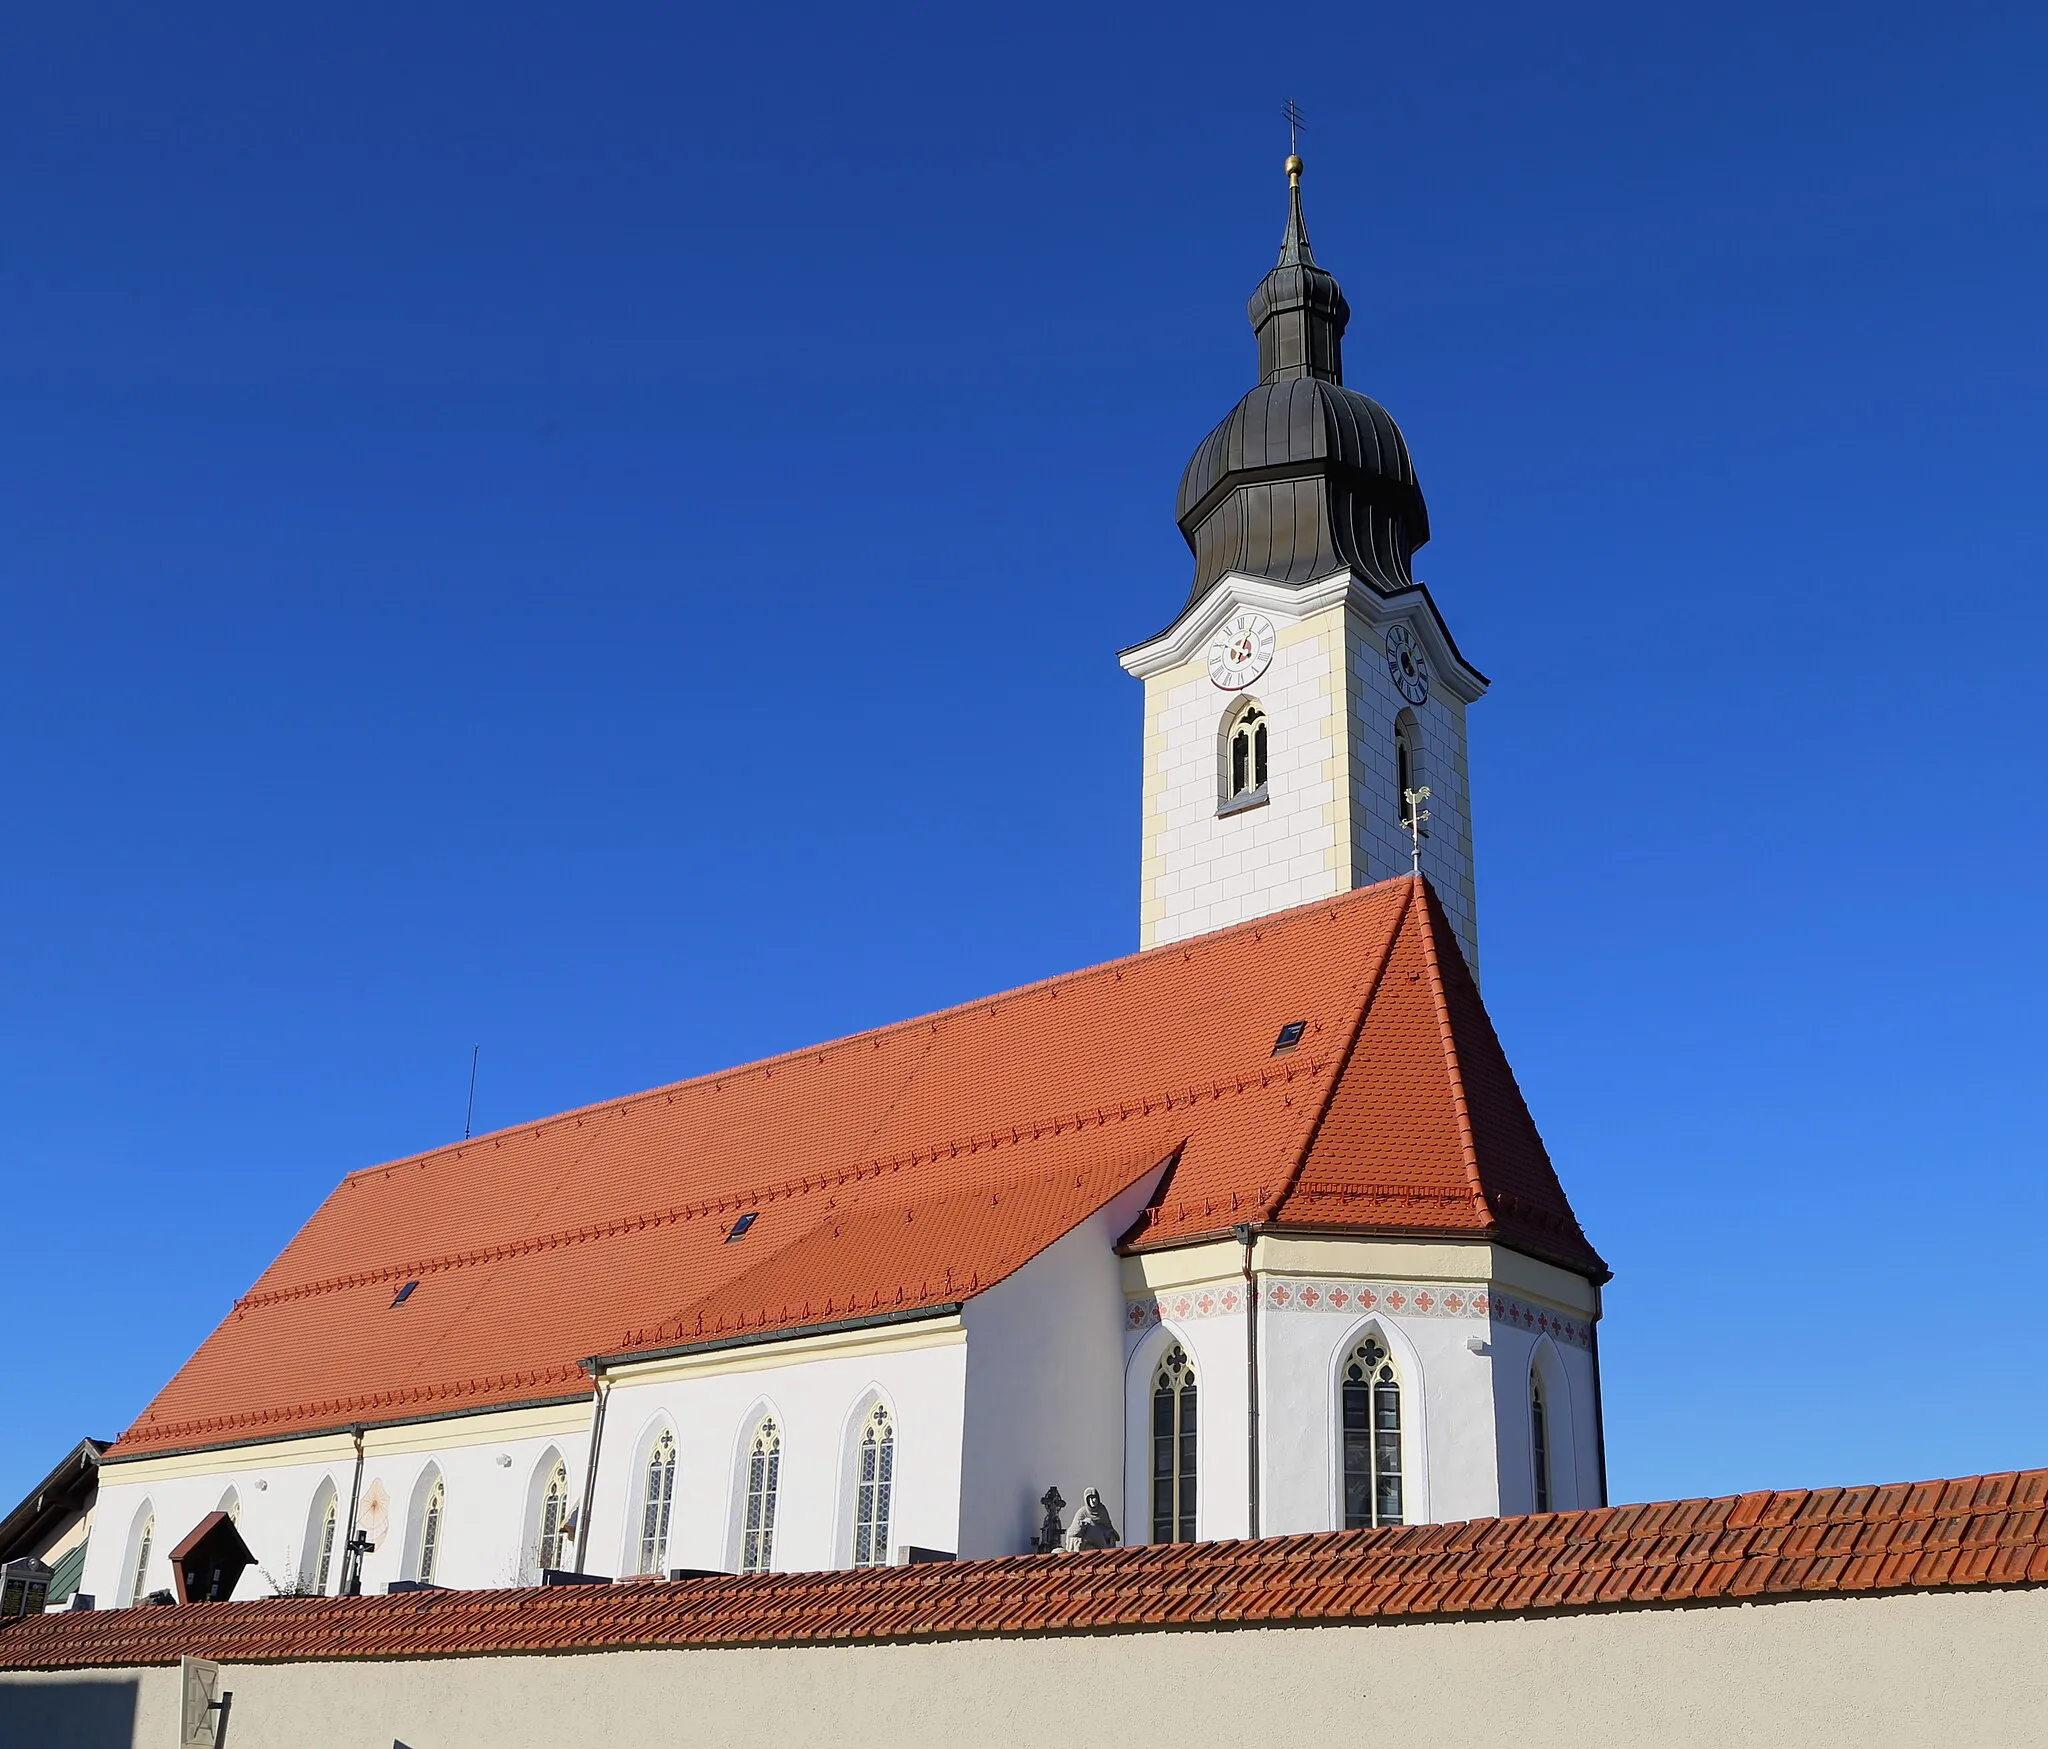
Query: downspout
(1242, 1232)
(599, 1392)
(351, 1564)
(1599, 1419)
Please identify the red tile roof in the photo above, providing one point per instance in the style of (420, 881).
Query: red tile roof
(1980, 1531)
(910, 1167)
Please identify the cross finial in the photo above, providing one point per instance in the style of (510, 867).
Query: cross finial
(1296, 121)
(1417, 814)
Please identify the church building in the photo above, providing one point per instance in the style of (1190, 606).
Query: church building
(1249, 1233)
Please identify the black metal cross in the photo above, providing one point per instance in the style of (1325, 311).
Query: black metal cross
(352, 1553)
(1296, 121)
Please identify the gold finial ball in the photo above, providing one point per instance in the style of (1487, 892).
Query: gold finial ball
(1293, 167)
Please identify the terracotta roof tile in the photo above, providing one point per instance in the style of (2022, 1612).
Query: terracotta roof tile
(1718, 1549)
(900, 1169)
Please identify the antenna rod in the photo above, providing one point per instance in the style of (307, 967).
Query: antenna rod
(469, 1116)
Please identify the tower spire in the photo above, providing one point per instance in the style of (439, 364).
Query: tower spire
(1298, 311)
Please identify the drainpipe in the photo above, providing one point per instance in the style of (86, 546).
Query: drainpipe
(1599, 1420)
(1242, 1233)
(350, 1562)
(599, 1392)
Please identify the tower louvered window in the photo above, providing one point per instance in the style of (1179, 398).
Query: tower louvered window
(1244, 752)
(1173, 1448)
(1539, 1442)
(654, 1514)
(874, 1487)
(764, 1476)
(1372, 1438)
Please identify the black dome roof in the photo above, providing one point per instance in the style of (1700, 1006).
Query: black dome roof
(1304, 477)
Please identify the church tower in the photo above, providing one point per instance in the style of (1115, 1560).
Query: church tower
(1309, 680)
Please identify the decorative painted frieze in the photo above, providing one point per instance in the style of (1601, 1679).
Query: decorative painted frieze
(1403, 1299)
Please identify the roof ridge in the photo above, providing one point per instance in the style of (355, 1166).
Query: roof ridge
(1365, 1004)
(1467, 1140)
(619, 1104)
(589, 1232)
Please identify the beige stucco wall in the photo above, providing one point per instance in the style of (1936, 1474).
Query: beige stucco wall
(1943, 1667)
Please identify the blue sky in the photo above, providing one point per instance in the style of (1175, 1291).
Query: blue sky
(603, 532)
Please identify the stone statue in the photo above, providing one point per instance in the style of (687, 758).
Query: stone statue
(1050, 1536)
(1091, 1528)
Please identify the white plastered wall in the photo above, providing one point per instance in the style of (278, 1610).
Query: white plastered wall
(815, 1390)
(1044, 1385)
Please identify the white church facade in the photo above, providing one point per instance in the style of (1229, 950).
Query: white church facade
(1250, 1233)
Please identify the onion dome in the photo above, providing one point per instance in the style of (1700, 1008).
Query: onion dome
(1305, 477)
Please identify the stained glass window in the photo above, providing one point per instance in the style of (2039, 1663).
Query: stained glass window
(135, 1587)
(654, 1514)
(324, 1565)
(764, 1472)
(430, 1531)
(554, 1513)
(1173, 1448)
(1372, 1438)
(875, 1481)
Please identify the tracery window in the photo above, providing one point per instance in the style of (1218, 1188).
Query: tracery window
(764, 1473)
(874, 1485)
(430, 1530)
(660, 1496)
(554, 1514)
(1244, 751)
(323, 1563)
(142, 1542)
(1173, 1448)
(1539, 1442)
(1372, 1437)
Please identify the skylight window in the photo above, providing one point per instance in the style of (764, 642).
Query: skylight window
(740, 1226)
(1290, 1036)
(404, 1293)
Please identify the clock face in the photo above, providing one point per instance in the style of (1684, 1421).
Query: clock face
(1241, 651)
(1406, 664)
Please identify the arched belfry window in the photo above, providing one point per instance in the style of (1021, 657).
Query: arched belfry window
(764, 1478)
(1372, 1437)
(1244, 753)
(874, 1488)
(1407, 763)
(554, 1519)
(1539, 1442)
(659, 1497)
(1173, 1448)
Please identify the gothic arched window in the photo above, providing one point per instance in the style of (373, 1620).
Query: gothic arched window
(554, 1519)
(430, 1530)
(874, 1488)
(764, 1476)
(1372, 1438)
(1539, 1442)
(143, 1538)
(660, 1496)
(1173, 1448)
(323, 1560)
(1244, 752)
